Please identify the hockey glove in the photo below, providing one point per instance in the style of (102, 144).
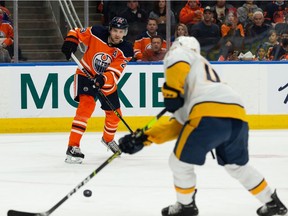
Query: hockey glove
(69, 46)
(99, 81)
(131, 143)
(172, 98)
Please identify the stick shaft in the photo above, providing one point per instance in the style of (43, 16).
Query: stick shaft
(87, 179)
(154, 120)
(114, 110)
(73, 191)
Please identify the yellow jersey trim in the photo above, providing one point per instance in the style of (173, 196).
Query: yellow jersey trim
(222, 110)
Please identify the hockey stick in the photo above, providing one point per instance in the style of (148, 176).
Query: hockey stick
(87, 179)
(149, 125)
(139, 132)
(114, 109)
(89, 75)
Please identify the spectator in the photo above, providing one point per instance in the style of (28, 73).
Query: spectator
(159, 13)
(133, 13)
(232, 25)
(191, 13)
(283, 52)
(272, 41)
(284, 57)
(246, 11)
(257, 32)
(143, 41)
(258, 28)
(4, 56)
(136, 18)
(275, 11)
(261, 54)
(281, 27)
(279, 52)
(156, 53)
(232, 35)
(206, 32)
(6, 33)
(221, 9)
(180, 30)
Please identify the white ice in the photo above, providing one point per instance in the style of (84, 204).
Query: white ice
(34, 177)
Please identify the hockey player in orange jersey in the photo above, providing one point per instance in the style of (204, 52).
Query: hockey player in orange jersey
(106, 57)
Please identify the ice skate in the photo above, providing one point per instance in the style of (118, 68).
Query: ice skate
(111, 145)
(274, 207)
(74, 155)
(179, 209)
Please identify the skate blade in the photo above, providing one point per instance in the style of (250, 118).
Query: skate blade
(110, 148)
(73, 160)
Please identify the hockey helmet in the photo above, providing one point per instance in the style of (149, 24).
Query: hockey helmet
(118, 22)
(189, 42)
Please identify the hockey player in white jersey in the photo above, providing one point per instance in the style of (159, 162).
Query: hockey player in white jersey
(207, 115)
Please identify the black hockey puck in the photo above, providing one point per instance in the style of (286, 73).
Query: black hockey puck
(87, 193)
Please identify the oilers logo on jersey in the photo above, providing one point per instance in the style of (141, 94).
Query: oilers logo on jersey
(101, 61)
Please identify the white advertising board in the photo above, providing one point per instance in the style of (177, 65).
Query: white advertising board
(29, 91)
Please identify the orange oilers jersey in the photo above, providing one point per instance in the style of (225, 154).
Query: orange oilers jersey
(142, 43)
(101, 57)
(6, 34)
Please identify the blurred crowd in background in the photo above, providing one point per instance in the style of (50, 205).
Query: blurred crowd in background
(227, 30)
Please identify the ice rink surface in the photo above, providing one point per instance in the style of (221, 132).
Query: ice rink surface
(34, 177)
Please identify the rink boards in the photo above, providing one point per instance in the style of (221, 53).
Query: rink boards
(39, 97)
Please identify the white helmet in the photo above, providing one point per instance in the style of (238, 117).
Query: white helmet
(189, 42)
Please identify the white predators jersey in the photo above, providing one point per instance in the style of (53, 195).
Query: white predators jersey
(202, 88)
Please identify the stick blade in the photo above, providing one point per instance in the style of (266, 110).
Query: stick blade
(20, 213)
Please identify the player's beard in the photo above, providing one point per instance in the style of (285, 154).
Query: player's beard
(115, 42)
